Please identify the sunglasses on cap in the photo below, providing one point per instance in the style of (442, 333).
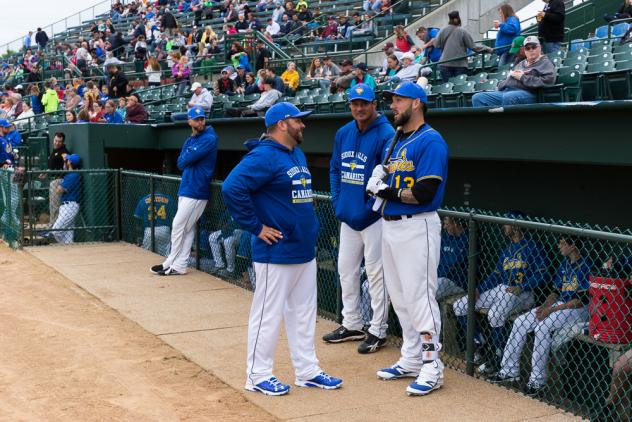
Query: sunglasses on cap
(530, 47)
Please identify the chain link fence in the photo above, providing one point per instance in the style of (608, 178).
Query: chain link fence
(538, 306)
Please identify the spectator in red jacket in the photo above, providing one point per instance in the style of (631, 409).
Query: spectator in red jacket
(135, 111)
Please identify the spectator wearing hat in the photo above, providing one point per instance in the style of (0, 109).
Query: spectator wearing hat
(291, 79)
(551, 25)
(201, 97)
(508, 28)
(224, 85)
(330, 31)
(346, 75)
(362, 76)
(10, 134)
(523, 82)
(389, 49)
(70, 191)
(454, 41)
(517, 50)
(409, 70)
(268, 98)
(135, 111)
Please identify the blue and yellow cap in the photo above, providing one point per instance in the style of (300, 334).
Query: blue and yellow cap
(196, 113)
(361, 92)
(410, 90)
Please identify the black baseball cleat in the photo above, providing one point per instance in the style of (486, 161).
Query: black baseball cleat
(157, 269)
(170, 271)
(535, 391)
(341, 334)
(371, 344)
(501, 378)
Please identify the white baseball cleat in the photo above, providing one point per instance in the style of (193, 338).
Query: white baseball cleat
(430, 378)
(395, 372)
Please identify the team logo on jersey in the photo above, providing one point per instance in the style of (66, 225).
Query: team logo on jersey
(8, 148)
(570, 284)
(514, 264)
(353, 165)
(301, 186)
(303, 181)
(401, 163)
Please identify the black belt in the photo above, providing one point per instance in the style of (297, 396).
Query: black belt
(396, 217)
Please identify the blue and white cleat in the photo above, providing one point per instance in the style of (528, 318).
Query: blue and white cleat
(270, 387)
(321, 380)
(430, 378)
(395, 372)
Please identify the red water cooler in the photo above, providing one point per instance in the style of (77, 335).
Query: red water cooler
(610, 310)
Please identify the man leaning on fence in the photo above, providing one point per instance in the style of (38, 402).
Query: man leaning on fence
(565, 306)
(520, 269)
(70, 191)
(197, 163)
(56, 161)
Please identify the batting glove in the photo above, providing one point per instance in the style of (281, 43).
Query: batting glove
(375, 185)
(380, 171)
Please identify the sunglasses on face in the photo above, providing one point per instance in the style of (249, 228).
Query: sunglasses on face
(530, 47)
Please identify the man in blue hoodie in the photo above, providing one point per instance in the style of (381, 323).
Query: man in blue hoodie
(269, 194)
(521, 269)
(357, 150)
(197, 163)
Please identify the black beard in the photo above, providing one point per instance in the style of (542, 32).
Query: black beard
(402, 118)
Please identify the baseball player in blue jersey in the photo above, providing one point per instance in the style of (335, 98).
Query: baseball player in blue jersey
(10, 133)
(70, 190)
(357, 150)
(520, 269)
(566, 306)
(9, 194)
(164, 208)
(269, 194)
(411, 188)
(197, 163)
(453, 262)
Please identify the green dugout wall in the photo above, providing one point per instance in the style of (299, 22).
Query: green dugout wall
(572, 161)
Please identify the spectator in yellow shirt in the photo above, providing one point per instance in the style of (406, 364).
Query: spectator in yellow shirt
(50, 100)
(301, 3)
(290, 78)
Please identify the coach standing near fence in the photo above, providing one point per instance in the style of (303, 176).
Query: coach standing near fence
(197, 163)
(415, 175)
(358, 147)
(269, 194)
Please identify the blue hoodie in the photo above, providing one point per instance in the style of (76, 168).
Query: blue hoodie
(507, 31)
(354, 157)
(197, 163)
(273, 186)
(520, 264)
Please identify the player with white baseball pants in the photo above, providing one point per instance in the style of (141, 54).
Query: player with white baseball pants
(70, 190)
(415, 173)
(564, 307)
(197, 163)
(357, 149)
(269, 194)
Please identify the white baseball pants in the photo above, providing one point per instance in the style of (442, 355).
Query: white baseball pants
(229, 245)
(284, 293)
(66, 218)
(183, 232)
(162, 237)
(410, 256)
(447, 287)
(527, 323)
(500, 303)
(54, 200)
(355, 245)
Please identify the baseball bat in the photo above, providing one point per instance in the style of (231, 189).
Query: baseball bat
(378, 201)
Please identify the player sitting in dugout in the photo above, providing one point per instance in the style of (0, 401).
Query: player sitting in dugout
(521, 268)
(566, 306)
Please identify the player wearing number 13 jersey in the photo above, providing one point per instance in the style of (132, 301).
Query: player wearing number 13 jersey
(411, 187)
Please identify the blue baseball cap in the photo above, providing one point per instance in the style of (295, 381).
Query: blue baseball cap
(409, 90)
(74, 159)
(361, 92)
(4, 123)
(196, 113)
(515, 214)
(283, 111)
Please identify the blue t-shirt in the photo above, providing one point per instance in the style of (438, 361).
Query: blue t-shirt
(113, 118)
(72, 187)
(164, 210)
(572, 279)
(416, 157)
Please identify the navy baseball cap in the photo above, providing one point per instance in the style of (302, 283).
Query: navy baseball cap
(283, 111)
(361, 92)
(4, 123)
(196, 113)
(515, 214)
(74, 159)
(409, 90)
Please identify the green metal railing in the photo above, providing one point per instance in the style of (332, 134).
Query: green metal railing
(500, 280)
